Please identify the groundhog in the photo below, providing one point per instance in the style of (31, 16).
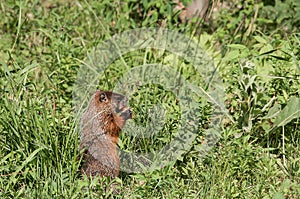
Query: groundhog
(101, 126)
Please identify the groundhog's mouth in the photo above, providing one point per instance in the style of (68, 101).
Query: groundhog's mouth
(126, 113)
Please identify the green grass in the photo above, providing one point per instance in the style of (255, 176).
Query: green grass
(42, 47)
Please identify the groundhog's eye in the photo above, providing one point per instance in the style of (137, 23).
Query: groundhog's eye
(102, 97)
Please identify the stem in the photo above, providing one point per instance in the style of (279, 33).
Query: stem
(283, 147)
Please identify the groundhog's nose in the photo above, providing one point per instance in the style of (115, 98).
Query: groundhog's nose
(131, 114)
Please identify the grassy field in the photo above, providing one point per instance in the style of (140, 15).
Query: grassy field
(255, 46)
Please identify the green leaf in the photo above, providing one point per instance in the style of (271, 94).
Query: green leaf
(266, 49)
(278, 195)
(232, 55)
(6, 70)
(260, 39)
(273, 112)
(290, 112)
(237, 46)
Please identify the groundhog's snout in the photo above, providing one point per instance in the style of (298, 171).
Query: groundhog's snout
(119, 103)
(126, 113)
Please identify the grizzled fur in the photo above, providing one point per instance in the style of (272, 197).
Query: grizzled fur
(101, 125)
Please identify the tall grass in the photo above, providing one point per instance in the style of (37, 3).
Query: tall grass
(42, 46)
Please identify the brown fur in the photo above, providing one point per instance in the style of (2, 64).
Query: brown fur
(101, 125)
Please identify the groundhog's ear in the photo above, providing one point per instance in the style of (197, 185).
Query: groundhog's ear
(103, 97)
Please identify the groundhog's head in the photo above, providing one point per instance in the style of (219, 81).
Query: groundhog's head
(116, 102)
(106, 113)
